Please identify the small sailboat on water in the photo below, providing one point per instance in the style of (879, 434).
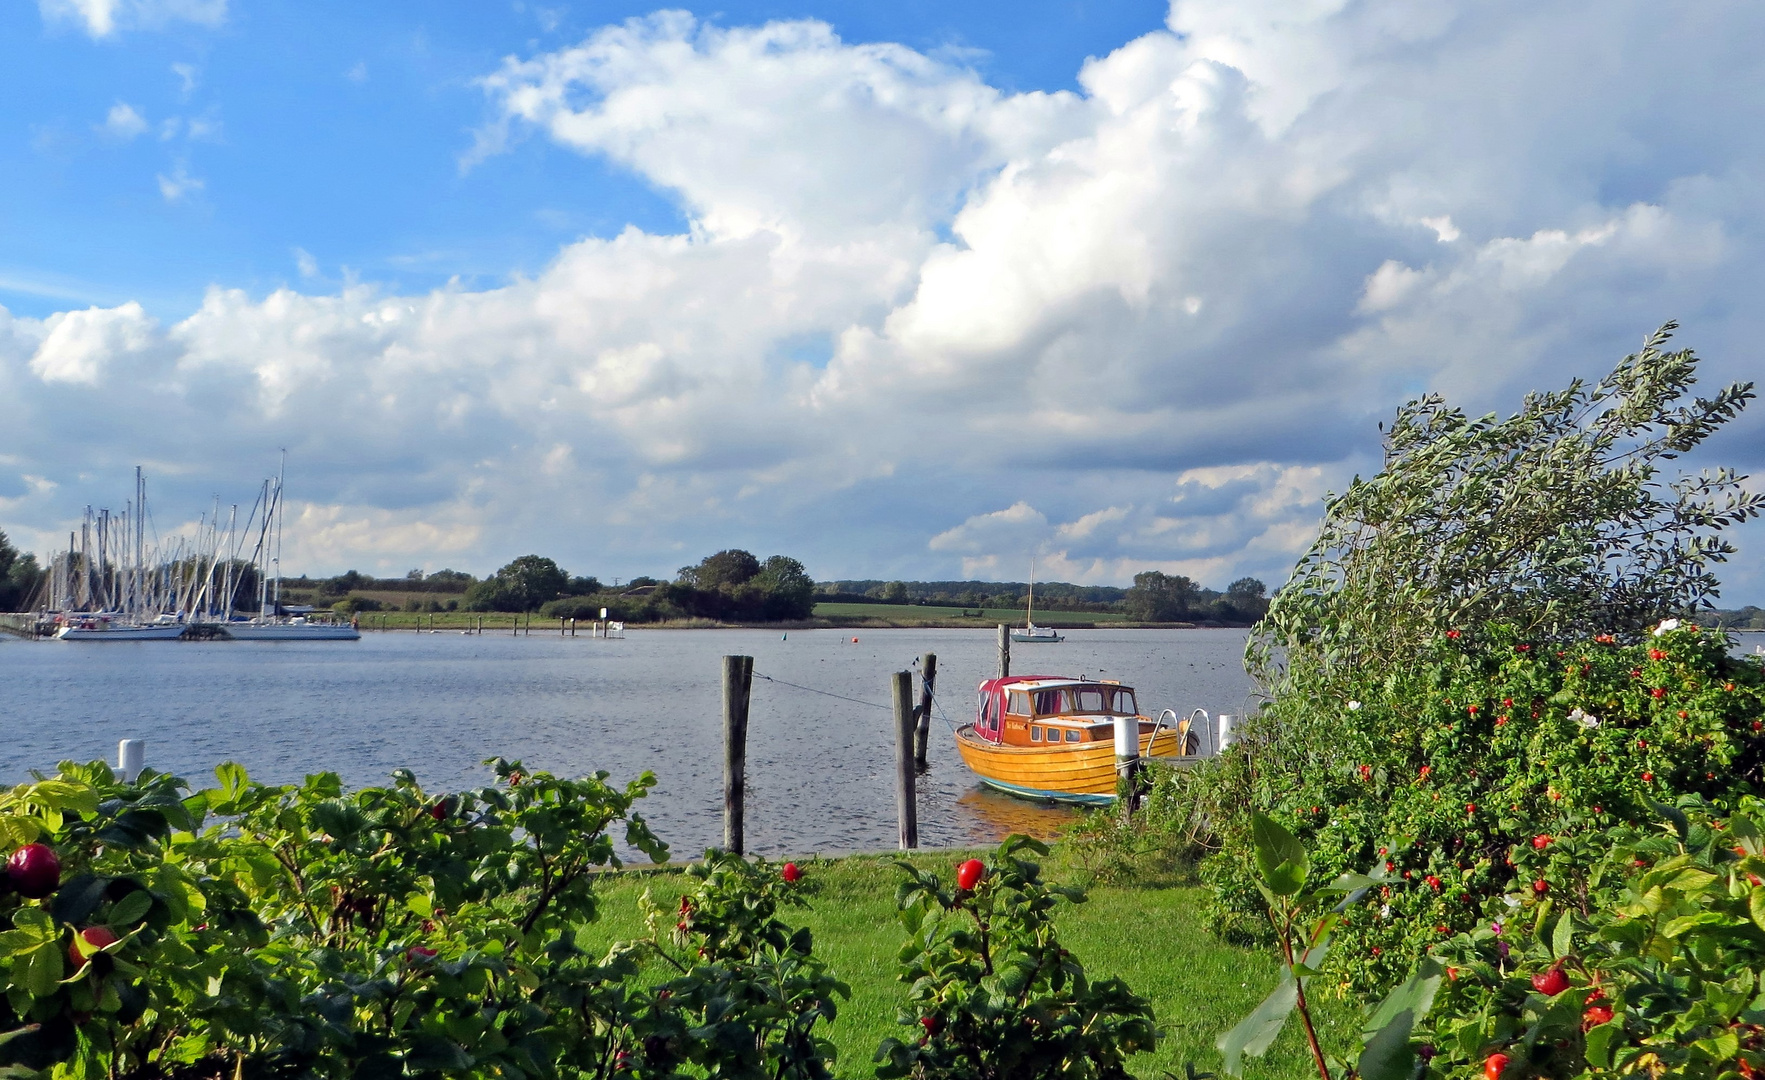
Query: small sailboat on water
(1031, 633)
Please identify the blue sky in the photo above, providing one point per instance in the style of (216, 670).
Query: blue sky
(907, 290)
(337, 130)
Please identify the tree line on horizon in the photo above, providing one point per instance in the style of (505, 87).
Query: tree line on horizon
(1154, 597)
(735, 586)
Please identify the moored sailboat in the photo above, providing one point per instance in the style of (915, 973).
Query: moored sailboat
(1031, 633)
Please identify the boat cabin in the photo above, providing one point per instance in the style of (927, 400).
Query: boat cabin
(1038, 710)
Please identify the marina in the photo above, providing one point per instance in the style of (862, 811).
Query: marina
(819, 772)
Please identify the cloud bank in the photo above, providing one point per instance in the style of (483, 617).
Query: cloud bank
(920, 326)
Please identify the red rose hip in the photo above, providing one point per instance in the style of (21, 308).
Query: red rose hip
(34, 870)
(1493, 1065)
(968, 875)
(1550, 983)
(96, 937)
(790, 872)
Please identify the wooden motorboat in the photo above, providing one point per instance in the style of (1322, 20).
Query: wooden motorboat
(1048, 737)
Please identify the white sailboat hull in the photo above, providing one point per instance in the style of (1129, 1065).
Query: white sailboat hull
(1032, 635)
(120, 633)
(291, 631)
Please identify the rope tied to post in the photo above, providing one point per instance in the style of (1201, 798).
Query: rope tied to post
(823, 693)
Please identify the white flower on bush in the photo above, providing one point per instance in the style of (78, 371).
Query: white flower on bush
(1586, 720)
(1354, 706)
(1667, 627)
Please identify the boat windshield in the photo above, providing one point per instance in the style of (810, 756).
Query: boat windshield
(1104, 700)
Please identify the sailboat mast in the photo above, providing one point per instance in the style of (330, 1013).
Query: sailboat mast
(280, 474)
(1029, 610)
(140, 545)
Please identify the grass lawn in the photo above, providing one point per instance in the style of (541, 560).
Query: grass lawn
(1150, 937)
(914, 613)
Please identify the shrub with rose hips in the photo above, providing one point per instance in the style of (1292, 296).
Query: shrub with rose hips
(1497, 771)
(994, 995)
(1655, 970)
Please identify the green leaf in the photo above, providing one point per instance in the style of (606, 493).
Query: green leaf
(1601, 1041)
(232, 777)
(132, 908)
(1681, 824)
(1279, 855)
(1686, 923)
(1256, 1032)
(1756, 906)
(1388, 1055)
(44, 969)
(1564, 938)
(77, 898)
(1690, 881)
(1413, 998)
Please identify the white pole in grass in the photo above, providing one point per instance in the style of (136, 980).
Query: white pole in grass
(131, 756)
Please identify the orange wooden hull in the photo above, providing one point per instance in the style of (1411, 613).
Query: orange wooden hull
(1070, 772)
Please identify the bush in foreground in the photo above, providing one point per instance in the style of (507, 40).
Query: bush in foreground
(252, 931)
(1498, 770)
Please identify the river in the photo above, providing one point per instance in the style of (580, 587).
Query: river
(820, 767)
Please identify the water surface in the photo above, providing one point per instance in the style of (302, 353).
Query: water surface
(820, 768)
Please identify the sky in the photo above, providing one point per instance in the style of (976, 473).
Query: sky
(906, 290)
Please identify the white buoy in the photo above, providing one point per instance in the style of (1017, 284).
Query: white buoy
(1228, 732)
(131, 755)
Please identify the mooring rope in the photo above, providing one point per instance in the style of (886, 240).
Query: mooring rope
(936, 701)
(823, 693)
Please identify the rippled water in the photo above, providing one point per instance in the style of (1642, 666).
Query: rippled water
(819, 768)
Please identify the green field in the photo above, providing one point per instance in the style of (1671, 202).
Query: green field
(1151, 937)
(908, 614)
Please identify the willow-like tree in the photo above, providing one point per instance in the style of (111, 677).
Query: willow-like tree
(1561, 521)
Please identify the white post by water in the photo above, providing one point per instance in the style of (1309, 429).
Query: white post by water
(131, 757)
(1127, 760)
(1228, 733)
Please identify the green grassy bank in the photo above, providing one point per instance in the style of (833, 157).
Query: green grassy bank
(1149, 936)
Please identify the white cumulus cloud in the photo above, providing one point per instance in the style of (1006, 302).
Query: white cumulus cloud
(103, 18)
(919, 325)
(123, 122)
(80, 346)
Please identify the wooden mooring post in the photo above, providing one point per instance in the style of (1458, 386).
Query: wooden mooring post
(928, 681)
(738, 682)
(1004, 650)
(906, 806)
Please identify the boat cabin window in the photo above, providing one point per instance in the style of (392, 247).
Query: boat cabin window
(1123, 705)
(1048, 703)
(988, 720)
(1019, 703)
(1035, 734)
(1072, 736)
(1090, 699)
